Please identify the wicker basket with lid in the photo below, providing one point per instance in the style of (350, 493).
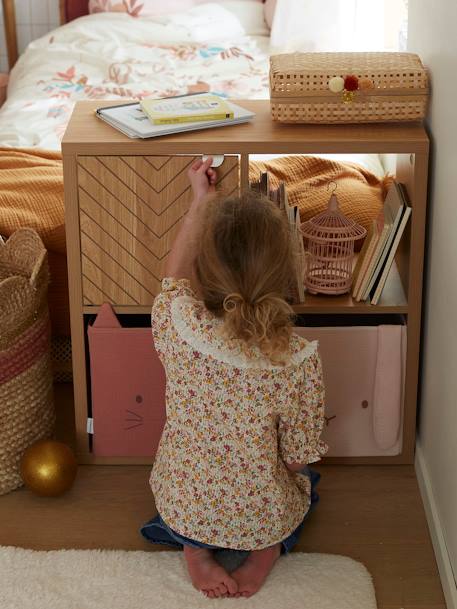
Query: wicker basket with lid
(347, 87)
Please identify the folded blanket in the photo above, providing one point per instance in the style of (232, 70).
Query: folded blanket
(360, 193)
(31, 194)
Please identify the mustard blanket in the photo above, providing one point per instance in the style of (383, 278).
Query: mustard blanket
(360, 193)
(31, 194)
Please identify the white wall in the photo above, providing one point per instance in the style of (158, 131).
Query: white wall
(432, 34)
(34, 19)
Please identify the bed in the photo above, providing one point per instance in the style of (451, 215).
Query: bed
(113, 55)
(219, 47)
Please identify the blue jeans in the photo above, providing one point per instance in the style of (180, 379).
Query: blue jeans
(157, 531)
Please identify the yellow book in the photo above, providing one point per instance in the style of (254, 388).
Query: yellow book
(186, 109)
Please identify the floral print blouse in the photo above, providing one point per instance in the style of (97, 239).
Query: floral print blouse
(233, 420)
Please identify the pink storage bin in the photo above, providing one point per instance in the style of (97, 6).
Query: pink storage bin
(127, 388)
(364, 372)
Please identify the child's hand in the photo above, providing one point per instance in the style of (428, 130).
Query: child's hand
(202, 178)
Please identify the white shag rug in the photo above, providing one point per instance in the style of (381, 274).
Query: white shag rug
(115, 579)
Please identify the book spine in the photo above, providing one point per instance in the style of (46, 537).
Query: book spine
(365, 263)
(370, 277)
(192, 119)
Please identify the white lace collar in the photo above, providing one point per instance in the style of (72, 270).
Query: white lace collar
(186, 323)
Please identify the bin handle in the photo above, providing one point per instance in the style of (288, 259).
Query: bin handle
(388, 386)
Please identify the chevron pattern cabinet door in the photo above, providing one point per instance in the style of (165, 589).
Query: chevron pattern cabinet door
(130, 209)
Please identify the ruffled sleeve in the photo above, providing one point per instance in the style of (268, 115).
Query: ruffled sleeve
(161, 312)
(300, 428)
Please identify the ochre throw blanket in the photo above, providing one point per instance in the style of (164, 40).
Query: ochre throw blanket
(360, 193)
(31, 194)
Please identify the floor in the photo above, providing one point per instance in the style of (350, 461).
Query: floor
(372, 513)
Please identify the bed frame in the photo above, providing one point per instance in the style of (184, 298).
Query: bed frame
(69, 10)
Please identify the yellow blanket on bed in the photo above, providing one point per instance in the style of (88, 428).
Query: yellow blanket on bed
(31, 194)
(360, 193)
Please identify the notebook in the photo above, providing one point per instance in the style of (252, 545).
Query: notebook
(379, 286)
(380, 235)
(393, 211)
(130, 120)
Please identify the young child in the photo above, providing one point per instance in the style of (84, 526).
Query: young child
(244, 395)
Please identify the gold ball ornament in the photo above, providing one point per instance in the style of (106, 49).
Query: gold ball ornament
(48, 468)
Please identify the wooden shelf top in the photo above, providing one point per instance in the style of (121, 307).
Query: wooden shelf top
(86, 134)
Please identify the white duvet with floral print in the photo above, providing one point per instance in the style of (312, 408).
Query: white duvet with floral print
(116, 56)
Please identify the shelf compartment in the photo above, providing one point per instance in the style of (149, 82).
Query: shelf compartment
(393, 300)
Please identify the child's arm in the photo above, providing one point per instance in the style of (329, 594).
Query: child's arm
(182, 254)
(300, 428)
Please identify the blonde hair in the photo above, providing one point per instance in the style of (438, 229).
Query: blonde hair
(244, 264)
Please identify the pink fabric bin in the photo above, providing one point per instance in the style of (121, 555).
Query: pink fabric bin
(127, 388)
(364, 372)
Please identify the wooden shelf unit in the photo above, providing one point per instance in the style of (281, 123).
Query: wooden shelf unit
(98, 161)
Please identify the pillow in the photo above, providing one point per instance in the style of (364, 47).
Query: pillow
(249, 13)
(153, 8)
(141, 8)
(204, 23)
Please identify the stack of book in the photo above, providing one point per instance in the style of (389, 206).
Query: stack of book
(380, 246)
(154, 117)
(292, 214)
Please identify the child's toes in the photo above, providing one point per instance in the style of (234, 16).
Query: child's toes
(231, 585)
(222, 590)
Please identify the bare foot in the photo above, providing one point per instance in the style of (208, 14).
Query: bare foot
(207, 575)
(254, 571)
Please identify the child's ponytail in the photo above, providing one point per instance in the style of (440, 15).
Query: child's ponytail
(244, 266)
(264, 322)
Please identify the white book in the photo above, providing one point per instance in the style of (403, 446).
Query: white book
(390, 259)
(133, 122)
(393, 211)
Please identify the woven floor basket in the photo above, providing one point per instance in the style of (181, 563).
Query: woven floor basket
(26, 405)
(390, 87)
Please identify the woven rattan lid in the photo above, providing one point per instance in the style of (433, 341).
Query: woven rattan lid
(312, 71)
(332, 225)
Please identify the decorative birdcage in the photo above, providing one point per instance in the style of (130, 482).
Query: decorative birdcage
(330, 238)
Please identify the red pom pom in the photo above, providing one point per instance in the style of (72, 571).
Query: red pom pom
(351, 83)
